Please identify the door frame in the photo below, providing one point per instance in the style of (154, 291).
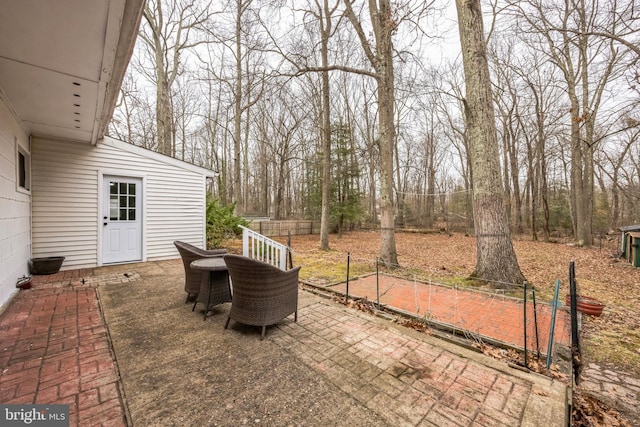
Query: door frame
(101, 206)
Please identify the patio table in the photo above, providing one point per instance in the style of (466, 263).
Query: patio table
(214, 286)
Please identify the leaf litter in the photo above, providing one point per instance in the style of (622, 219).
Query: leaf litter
(612, 339)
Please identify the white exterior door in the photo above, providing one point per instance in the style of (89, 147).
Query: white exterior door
(121, 219)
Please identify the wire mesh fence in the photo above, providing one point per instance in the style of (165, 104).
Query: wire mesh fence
(507, 316)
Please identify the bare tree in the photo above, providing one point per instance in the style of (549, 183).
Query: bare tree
(278, 127)
(370, 152)
(380, 56)
(447, 87)
(496, 258)
(185, 104)
(325, 23)
(611, 165)
(121, 125)
(133, 118)
(168, 33)
(508, 106)
(244, 97)
(589, 64)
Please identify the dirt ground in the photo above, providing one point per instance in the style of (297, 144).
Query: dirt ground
(611, 340)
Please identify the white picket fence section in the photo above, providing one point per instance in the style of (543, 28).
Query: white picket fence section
(262, 248)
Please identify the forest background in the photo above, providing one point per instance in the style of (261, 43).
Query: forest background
(237, 86)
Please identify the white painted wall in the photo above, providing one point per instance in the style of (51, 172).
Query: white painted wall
(66, 219)
(15, 208)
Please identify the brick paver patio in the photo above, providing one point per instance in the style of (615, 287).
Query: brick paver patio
(56, 350)
(483, 314)
(405, 380)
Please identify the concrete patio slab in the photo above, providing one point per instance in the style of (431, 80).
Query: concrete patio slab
(153, 361)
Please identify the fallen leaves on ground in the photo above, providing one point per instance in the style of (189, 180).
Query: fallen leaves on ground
(590, 412)
(414, 324)
(362, 304)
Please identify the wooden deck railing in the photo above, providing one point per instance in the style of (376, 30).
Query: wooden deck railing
(262, 248)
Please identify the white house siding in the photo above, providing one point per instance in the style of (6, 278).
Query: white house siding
(15, 207)
(66, 180)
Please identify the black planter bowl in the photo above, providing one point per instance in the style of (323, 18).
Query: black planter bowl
(47, 265)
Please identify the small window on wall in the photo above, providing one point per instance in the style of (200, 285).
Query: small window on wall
(23, 169)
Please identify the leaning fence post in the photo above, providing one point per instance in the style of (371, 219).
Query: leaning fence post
(553, 323)
(377, 285)
(525, 324)
(575, 338)
(288, 250)
(347, 290)
(574, 301)
(535, 320)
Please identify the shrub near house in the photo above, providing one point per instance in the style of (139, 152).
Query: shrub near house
(222, 223)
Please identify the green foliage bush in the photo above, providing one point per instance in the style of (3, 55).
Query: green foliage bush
(559, 210)
(222, 223)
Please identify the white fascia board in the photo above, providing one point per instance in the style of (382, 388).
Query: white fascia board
(121, 35)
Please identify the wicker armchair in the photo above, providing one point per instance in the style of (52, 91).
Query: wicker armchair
(262, 294)
(193, 278)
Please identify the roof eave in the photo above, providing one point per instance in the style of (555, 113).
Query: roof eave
(131, 19)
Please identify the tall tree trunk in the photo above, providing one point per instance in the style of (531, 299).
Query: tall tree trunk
(164, 115)
(371, 151)
(576, 168)
(245, 166)
(496, 258)
(533, 173)
(431, 179)
(383, 27)
(381, 58)
(506, 148)
(168, 36)
(400, 193)
(541, 162)
(236, 184)
(515, 174)
(325, 32)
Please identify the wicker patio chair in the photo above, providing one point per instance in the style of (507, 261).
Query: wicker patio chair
(262, 294)
(193, 278)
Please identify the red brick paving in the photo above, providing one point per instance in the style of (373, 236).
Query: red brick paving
(424, 384)
(488, 315)
(55, 350)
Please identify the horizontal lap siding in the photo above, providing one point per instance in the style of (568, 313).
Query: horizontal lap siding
(175, 211)
(66, 201)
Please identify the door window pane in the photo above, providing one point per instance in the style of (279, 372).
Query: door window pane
(122, 201)
(113, 208)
